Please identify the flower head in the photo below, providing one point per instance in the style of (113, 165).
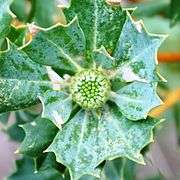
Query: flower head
(90, 88)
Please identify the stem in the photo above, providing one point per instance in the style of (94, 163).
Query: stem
(122, 169)
(35, 165)
(168, 57)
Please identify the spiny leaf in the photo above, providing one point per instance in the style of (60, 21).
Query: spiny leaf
(136, 100)
(85, 141)
(38, 135)
(57, 106)
(136, 52)
(21, 80)
(103, 59)
(100, 21)
(26, 170)
(14, 131)
(62, 46)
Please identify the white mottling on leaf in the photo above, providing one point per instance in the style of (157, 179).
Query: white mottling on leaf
(128, 75)
(33, 123)
(55, 78)
(58, 119)
(138, 26)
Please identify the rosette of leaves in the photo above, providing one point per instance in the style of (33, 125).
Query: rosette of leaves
(106, 86)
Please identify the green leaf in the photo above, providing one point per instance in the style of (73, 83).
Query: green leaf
(57, 106)
(17, 35)
(21, 80)
(4, 118)
(175, 12)
(86, 140)
(20, 9)
(100, 21)
(136, 52)
(14, 131)
(103, 59)
(26, 116)
(150, 8)
(61, 46)
(39, 135)
(119, 169)
(5, 17)
(26, 171)
(44, 13)
(136, 100)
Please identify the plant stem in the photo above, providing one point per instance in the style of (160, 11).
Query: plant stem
(168, 57)
(122, 168)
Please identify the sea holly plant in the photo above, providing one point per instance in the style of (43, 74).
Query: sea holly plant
(96, 78)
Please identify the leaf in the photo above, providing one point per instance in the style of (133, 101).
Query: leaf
(45, 12)
(119, 169)
(57, 107)
(19, 8)
(21, 80)
(17, 35)
(136, 100)
(136, 52)
(103, 59)
(60, 46)
(25, 171)
(5, 17)
(39, 135)
(85, 141)
(114, 170)
(151, 8)
(4, 117)
(100, 21)
(175, 11)
(14, 131)
(26, 116)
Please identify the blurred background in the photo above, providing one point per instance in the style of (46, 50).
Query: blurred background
(159, 16)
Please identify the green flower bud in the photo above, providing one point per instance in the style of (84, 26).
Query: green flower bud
(90, 89)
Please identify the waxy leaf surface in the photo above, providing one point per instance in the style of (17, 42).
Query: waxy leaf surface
(136, 52)
(86, 140)
(61, 47)
(100, 22)
(57, 106)
(38, 136)
(136, 100)
(21, 80)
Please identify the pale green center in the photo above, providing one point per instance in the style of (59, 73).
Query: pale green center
(90, 89)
